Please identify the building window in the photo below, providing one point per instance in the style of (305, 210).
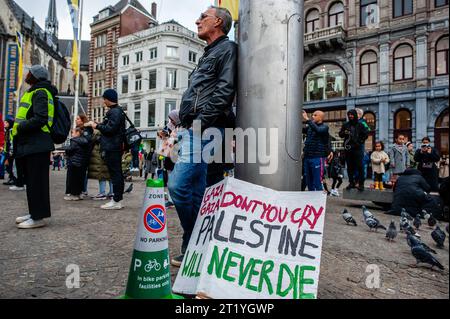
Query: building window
(441, 137)
(442, 56)
(171, 78)
(440, 3)
(152, 80)
(192, 57)
(172, 52)
(137, 115)
(100, 41)
(138, 82)
(402, 8)
(371, 121)
(369, 68)
(169, 107)
(126, 60)
(312, 21)
(153, 53)
(100, 63)
(336, 15)
(325, 82)
(369, 12)
(139, 56)
(403, 63)
(403, 120)
(152, 113)
(125, 84)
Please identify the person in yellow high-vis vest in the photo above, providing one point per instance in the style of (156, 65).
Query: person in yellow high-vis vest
(31, 133)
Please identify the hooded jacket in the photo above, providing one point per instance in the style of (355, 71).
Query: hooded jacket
(78, 152)
(410, 192)
(212, 86)
(399, 156)
(354, 133)
(30, 139)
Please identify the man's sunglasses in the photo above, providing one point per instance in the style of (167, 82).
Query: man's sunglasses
(203, 16)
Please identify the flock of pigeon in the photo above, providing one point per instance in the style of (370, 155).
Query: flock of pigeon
(419, 250)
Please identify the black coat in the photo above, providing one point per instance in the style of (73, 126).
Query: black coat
(212, 88)
(78, 152)
(30, 138)
(354, 134)
(411, 192)
(113, 130)
(427, 166)
(317, 140)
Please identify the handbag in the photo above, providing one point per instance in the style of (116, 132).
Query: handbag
(132, 134)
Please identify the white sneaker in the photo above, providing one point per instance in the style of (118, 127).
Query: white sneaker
(30, 223)
(112, 205)
(20, 220)
(72, 198)
(16, 189)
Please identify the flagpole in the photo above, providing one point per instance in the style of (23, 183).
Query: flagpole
(77, 81)
(19, 65)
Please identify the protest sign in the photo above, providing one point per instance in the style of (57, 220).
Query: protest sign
(252, 242)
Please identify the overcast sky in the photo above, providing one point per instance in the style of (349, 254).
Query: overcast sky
(183, 11)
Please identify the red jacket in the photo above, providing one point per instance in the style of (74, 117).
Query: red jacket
(2, 131)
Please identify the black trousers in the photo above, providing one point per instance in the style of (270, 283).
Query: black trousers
(75, 180)
(354, 161)
(37, 178)
(337, 182)
(114, 162)
(20, 167)
(9, 168)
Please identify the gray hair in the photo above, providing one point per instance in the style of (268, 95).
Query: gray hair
(360, 112)
(226, 17)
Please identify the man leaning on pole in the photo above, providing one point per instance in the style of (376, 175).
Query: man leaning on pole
(208, 100)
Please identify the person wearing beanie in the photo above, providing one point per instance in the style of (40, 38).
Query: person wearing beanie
(8, 152)
(33, 144)
(111, 145)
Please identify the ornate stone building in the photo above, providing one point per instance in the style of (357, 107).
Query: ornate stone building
(387, 57)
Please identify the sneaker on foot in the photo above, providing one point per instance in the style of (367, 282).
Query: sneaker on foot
(112, 205)
(20, 220)
(30, 224)
(73, 198)
(334, 193)
(100, 197)
(16, 189)
(177, 261)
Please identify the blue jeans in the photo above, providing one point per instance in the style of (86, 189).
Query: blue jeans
(187, 182)
(102, 188)
(314, 172)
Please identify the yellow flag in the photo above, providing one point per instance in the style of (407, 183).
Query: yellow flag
(19, 41)
(75, 15)
(232, 6)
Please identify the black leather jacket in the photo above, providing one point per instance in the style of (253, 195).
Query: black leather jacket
(113, 130)
(212, 86)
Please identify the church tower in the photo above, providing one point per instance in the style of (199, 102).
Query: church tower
(51, 22)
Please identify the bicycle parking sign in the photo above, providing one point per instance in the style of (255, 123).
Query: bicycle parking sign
(155, 219)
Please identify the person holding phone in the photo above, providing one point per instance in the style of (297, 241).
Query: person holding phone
(426, 158)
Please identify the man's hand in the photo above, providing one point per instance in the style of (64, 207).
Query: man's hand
(91, 124)
(429, 150)
(305, 116)
(330, 157)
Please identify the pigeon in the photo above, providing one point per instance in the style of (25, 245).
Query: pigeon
(130, 189)
(424, 214)
(374, 223)
(422, 256)
(432, 221)
(366, 213)
(439, 237)
(417, 222)
(414, 241)
(405, 214)
(404, 223)
(348, 218)
(391, 232)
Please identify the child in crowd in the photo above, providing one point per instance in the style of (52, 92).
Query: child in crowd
(379, 159)
(78, 159)
(336, 173)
